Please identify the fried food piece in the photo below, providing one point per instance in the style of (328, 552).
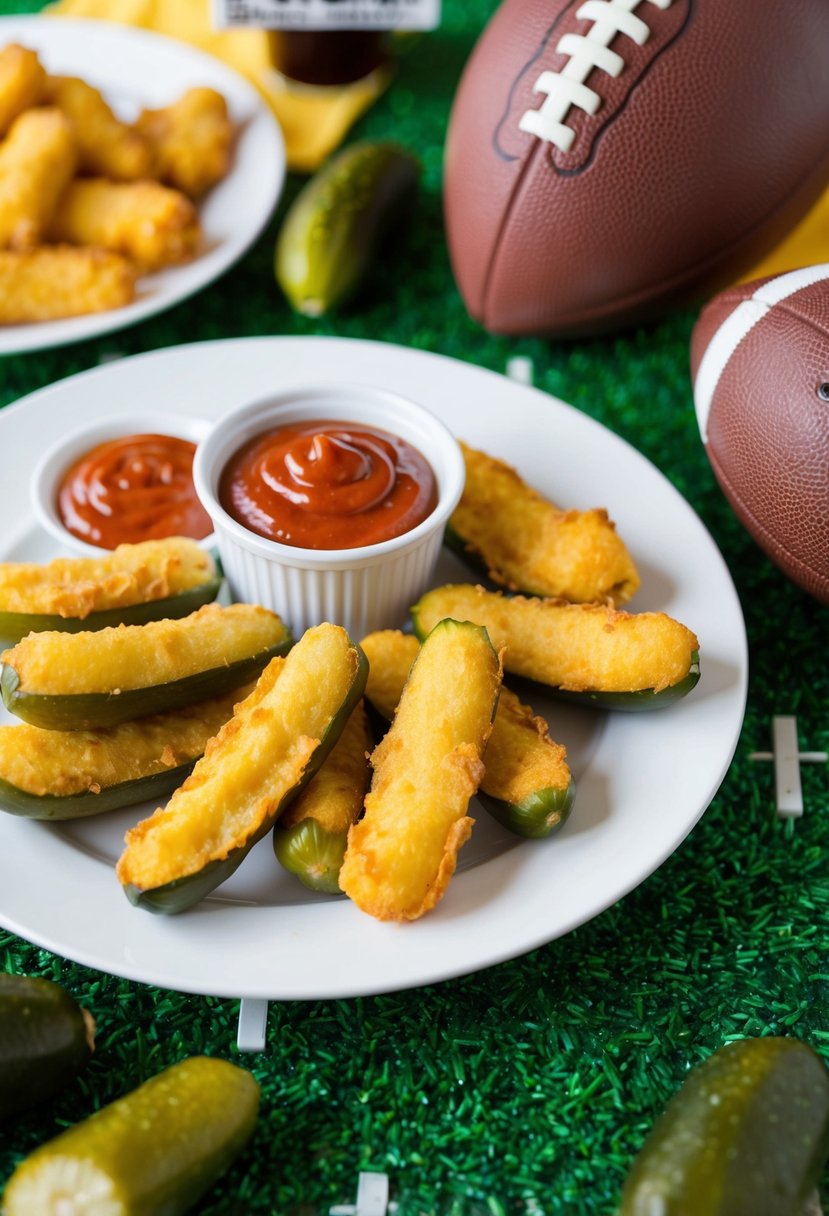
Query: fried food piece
(276, 740)
(310, 837)
(147, 222)
(529, 784)
(55, 281)
(55, 774)
(22, 78)
(107, 147)
(575, 647)
(191, 140)
(77, 587)
(114, 661)
(402, 854)
(525, 543)
(37, 160)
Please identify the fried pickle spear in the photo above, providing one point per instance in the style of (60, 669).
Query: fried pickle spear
(591, 653)
(107, 147)
(527, 785)
(525, 543)
(55, 774)
(275, 742)
(144, 221)
(402, 854)
(22, 78)
(153, 579)
(191, 140)
(37, 160)
(56, 281)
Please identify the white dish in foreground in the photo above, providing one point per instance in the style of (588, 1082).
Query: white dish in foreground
(135, 70)
(642, 780)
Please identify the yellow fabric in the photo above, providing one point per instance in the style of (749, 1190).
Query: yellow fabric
(314, 122)
(806, 245)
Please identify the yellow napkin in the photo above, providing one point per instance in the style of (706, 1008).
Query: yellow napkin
(314, 121)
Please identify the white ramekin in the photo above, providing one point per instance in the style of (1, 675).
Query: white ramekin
(367, 588)
(57, 459)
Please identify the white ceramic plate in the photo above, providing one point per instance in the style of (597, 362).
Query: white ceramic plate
(643, 780)
(134, 70)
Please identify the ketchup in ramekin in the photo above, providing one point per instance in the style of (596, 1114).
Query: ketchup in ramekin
(133, 488)
(328, 484)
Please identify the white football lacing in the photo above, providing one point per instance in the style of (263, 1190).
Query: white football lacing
(586, 52)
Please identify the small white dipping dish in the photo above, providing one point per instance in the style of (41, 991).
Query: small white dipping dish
(57, 460)
(363, 589)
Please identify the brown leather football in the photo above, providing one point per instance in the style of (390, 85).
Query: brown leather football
(760, 366)
(607, 159)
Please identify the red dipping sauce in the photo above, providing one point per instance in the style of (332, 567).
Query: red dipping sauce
(134, 488)
(327, 484)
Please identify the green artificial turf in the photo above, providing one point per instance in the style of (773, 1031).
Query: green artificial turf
(526, 1088)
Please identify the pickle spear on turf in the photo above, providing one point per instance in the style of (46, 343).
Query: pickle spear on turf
(46, 1039)
(154, 1152)
(746, 1135)
(337, 222)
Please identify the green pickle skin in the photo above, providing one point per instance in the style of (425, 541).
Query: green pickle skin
(332, 231)
(311, 853)
(45, 1041)
(161, 1147)
(747, 1135)
(16, 625)
(54, 807)
(538, 816)
(93, 710)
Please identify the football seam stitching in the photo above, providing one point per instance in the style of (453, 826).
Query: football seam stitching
(611, 118)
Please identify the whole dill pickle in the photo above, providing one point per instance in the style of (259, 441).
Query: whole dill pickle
(335, 225)
(746, 1135)
(46, 1039)
(154, 1152)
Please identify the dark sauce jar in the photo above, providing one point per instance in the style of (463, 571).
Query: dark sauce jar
(328, 57)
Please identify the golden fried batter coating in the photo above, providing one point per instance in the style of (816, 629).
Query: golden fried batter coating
(128, 574)
(55, 281)
(401, 855)
(89, 202)
(107, 147)
(21, 82)
(191, 139)
(37, 160)
(147, 222)
(527, 544)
